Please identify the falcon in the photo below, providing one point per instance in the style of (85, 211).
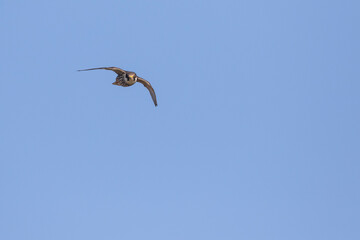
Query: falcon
(127, 79)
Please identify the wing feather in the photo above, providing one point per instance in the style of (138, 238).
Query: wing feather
(115, 69)
(149, 87)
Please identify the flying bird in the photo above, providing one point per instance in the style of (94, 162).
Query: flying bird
(127, 79)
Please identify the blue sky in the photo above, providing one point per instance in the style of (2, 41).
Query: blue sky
(256, 135)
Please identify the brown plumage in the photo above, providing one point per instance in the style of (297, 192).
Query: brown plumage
(127, 78)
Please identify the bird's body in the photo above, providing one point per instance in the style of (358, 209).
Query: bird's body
(124, 81)
(127, 79)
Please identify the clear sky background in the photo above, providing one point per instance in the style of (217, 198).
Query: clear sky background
(256, 135)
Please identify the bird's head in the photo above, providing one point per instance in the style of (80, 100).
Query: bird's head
(131, 75)
(130, 78)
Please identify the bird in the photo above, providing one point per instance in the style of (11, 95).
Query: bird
(127, 79)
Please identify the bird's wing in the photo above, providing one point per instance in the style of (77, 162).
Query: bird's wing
(115, 69)
(149, 87)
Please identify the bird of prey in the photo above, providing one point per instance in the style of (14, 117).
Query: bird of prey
(127, 78)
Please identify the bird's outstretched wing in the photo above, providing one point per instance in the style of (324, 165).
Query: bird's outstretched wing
(149, 87)
(115, 69)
